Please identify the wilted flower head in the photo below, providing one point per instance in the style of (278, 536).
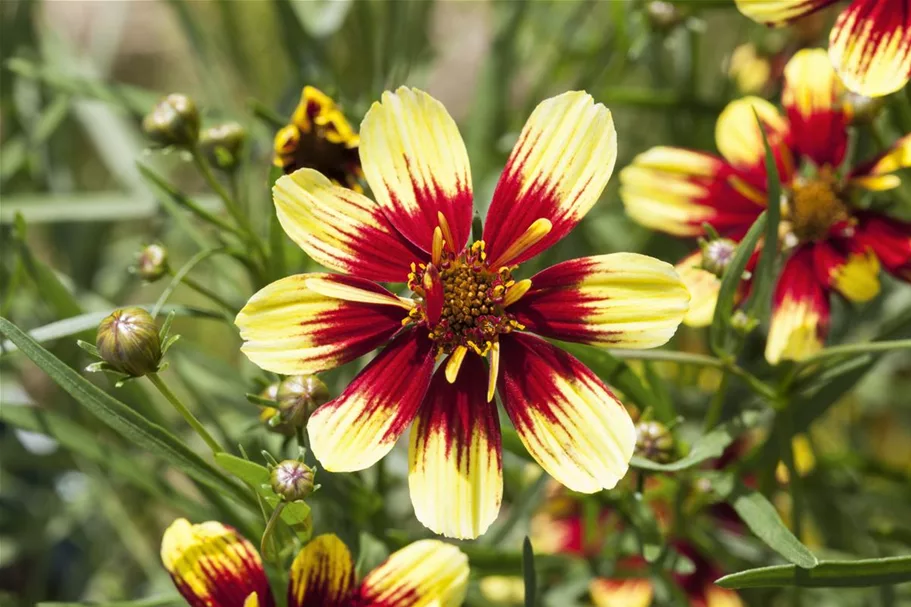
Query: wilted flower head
(213, 565)
(173, 121)
(223, 145)
(319, 137)
(152, 263)
(128, 341)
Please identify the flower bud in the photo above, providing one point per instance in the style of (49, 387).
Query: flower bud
(152, 263)
(173, 121)
(223, 145)
(271, 416)
(663, 16)
(292, 480)
(717, 254)
(654, 441)
(129, 343)
(298, 397)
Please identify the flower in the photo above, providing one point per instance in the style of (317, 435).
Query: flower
(831, 246)
(870, 44)
(467, 305)
(214, 566)
(319, 137)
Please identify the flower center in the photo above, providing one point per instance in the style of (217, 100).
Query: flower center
(462, 300)
(815, 206)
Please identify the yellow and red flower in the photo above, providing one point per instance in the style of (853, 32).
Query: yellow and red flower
(467, 305)
(319, 137)
(214, 566)
(870, 44)
(831, 246)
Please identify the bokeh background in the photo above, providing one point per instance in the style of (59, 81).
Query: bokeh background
(75, 81)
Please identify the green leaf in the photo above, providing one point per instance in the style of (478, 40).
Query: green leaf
(296, 515)
(708, 446)
(528, 573)
(764, 277)
(828, 574)
(763, 520)
(247, 471)
(613, 371)
(124, 420)
(371, 553)
(730, 281)
(52, 290)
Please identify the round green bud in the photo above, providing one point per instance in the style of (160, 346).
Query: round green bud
(271, 416)
(223, 145)
(128, 342)
(299, 396)
(292, 480)
(173, 121)
(152, 263)
(717, 254)
(654, 441)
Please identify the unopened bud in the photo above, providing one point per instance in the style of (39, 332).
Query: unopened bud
(743, 323)
(663, 16)
(271, 416)
(152, 263)
(717, 254)
(223, 145)
(292, 480)
(129, 343)
(654, 441)
(298, 397)
(173, 121)
(862, 109)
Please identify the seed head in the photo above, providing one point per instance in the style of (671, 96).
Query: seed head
(129, 343)
(292, 480)
(173, 121)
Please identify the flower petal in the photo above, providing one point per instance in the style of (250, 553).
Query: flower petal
(875, 174)
(425, 573)
(342, 229)
(623, 300)
(739, 140)
(456, 468)
(289, 328)
(722, 597)
(800, 311)
(357, 429)
(213, 566)
(557, 170)
(776, 12)
(416, 164)
(629, 592)
(812, 99)
(567, 419)
(676, 190)
(890, 239)
(848, 267)
(870, 46)
(703, 287)
(322, 574)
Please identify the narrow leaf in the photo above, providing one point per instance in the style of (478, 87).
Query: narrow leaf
(245, 470)
(764, 277)
(528, 573)
(828, 574)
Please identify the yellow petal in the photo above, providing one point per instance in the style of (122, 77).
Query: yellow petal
(291, 329)
(703, 287)
(737, 134)
(357, 429)
(456, 476)
(211, 564)
(557, 170)
(858, 278)
(623, 300)
(775, 12)
(800, 315)
(415, 162)
(423, 574)
(322, 574)
(340, 228)
(567, 419)
(632, 592)
(722, 597)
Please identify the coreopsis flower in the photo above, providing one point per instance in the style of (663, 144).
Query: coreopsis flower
(214, 566)
(870, 44)
(319, 137)
(831, 245)
(467, 306)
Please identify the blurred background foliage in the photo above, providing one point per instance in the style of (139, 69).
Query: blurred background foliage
(82, 509)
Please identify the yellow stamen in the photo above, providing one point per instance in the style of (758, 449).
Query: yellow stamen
(345, 292)
(515, 292)
(533, 235)
(447, 233)
(494, 369)
(455, 363)
(438, 242)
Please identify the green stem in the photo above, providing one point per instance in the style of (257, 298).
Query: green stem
(270, 529)
(850, 349)
(179, 276)
(716, 407)
(209, 293)
(187, 415)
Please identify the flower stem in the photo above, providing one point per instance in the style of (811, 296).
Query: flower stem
(866, 348)
(209, 293)
(182, 409)
(716, 406)
(270, 528)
